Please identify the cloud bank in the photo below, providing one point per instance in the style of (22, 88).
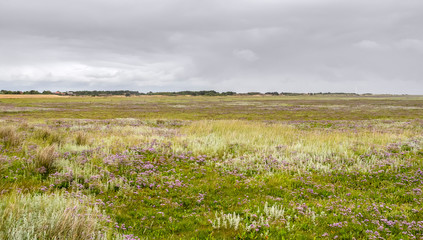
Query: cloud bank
(225, 45)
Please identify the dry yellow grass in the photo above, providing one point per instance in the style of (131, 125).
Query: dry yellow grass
(4, 96)
(241, 143)
(24, 216)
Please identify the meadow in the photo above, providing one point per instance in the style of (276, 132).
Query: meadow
(232, 167)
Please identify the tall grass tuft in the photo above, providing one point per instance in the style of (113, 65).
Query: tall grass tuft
(45, 159)
(50, 137)
(10, 136)
(47, 217)
(81, 139)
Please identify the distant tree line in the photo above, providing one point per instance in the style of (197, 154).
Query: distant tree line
(194, 93)
(189, 93)
(106, 93)
(24, 92)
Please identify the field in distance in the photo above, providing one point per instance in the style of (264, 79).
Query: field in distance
(2, 96)
(234, 167)
(229, 107)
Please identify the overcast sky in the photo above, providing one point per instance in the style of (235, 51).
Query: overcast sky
(225, 45)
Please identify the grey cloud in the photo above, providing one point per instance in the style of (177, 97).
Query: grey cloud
(240, 45)
(246, 55)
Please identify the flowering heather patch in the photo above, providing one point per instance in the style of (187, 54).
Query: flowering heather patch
(211, 179)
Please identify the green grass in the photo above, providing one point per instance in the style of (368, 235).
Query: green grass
(212, 168)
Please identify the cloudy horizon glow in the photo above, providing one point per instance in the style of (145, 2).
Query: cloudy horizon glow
(232, 45)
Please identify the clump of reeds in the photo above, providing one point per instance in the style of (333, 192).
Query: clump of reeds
(10, 136)
(49, 136)
(82, 139)
(45, 159)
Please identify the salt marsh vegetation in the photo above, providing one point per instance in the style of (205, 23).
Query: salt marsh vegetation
(231, 168)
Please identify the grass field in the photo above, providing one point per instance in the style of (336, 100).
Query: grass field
(238, 167)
